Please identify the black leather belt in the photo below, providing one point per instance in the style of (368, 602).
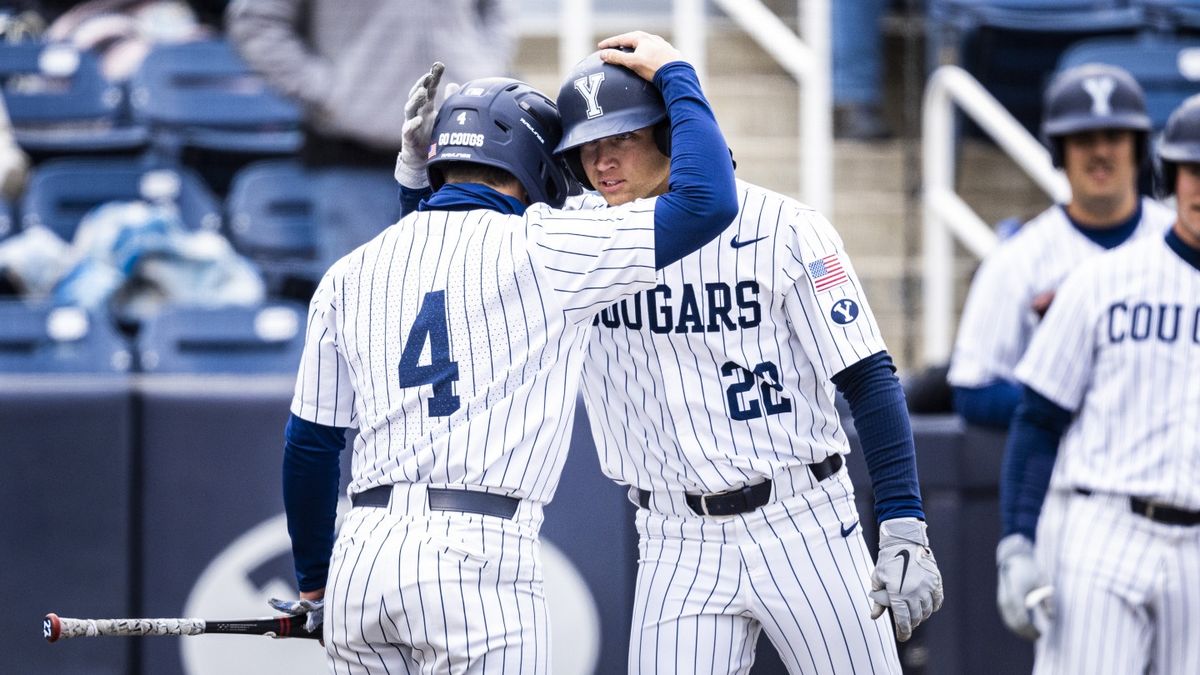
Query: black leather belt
(1158, 512)
(746, 498)
(440, 499)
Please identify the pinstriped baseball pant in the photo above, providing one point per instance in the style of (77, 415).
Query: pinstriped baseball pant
(707, 586)
(1127, 593)
(436, 592)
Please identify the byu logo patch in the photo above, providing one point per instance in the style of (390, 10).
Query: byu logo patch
(1100, 89)
(589, 88)
(844, 311)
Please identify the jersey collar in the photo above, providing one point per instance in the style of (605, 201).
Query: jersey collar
(471, 196)
(1109, 237)
(1190, 255)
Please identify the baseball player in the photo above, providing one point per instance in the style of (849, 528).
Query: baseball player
(1095, 124)
(712, 396)
(1111, 403)
(453, 342)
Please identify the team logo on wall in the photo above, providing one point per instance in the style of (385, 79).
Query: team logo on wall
(257, 566)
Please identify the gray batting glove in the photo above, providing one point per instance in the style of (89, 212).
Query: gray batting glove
(419, 113)
(906, 578)
(1017, 577)
(315, 609)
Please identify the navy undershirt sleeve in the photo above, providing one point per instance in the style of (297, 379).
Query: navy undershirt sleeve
(991, 405)
(702, 199)
(1029, 457)
(877, 405)
(410, 198)
(311, 472)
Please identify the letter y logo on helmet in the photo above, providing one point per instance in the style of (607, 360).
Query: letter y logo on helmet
(1101, 90)
(589, 88)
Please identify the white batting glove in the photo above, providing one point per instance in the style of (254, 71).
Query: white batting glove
(906, 578)
(315, 609)
(419, 113)
(1018, 577)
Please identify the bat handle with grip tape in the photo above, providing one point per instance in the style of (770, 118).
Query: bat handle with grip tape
(55, 627)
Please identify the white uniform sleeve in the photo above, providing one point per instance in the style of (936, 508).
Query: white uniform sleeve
(323, 391)
(592, 259)
(995, 324)
(1058, 363)
(828, 308)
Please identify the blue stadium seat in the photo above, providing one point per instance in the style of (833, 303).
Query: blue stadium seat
(201, 94)
(63, 190)
(7, 226)
(1012, 46)
(272, 211)
(1168, 68)
(228, 340)
(43, 339)
(59, 102)
(1172, 14)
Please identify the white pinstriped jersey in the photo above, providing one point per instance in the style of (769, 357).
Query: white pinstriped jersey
(997, 321)
(743, 336)
(454, 340)
(1121, 347)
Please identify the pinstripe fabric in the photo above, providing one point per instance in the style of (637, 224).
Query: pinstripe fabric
(454, 341)
(707, 586)
(1123, 350)
(997, 322)
(1125, 594)
(1121, 346)
(719, 377)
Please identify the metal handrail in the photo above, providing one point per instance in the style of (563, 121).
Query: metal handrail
(946, 215)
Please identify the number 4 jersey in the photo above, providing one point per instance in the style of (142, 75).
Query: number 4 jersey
(454, 341)
(720, 374)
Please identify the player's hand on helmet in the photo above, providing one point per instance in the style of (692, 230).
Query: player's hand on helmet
(419, 113)
(650, 52)
(314, 608)
(906, 578)
(1017, 574)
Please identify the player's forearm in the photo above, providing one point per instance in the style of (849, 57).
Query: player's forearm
(991, 405)
(702, 200)
(1029, 457)
(880, 414)
(311, 472)
(410, 198)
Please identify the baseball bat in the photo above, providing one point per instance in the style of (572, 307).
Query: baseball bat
(55, 627)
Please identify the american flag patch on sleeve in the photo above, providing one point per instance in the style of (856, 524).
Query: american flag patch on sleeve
(827, 273)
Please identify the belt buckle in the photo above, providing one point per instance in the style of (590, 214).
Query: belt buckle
(1149, 510)
(704, 504)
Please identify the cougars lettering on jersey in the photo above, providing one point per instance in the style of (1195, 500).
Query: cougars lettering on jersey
(744, 334)
(463, 336)
(1121, 347)
(998, 321)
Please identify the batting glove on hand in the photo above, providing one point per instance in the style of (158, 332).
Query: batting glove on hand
(315, 609)
(1017, 576)
(419, 114)
(906, 578)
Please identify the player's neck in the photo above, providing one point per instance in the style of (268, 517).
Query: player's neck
(1102, 212)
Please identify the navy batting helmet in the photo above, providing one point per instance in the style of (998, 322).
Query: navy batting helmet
(600, 99)
(1091, 97)
(507, 124)
(1180, 143)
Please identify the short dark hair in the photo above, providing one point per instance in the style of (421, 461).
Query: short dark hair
(471, 172)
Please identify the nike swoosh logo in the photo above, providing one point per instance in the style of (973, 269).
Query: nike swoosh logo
(738, 244)
(847, 530)
(903, 570)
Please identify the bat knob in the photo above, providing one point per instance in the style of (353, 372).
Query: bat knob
(51, 627)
